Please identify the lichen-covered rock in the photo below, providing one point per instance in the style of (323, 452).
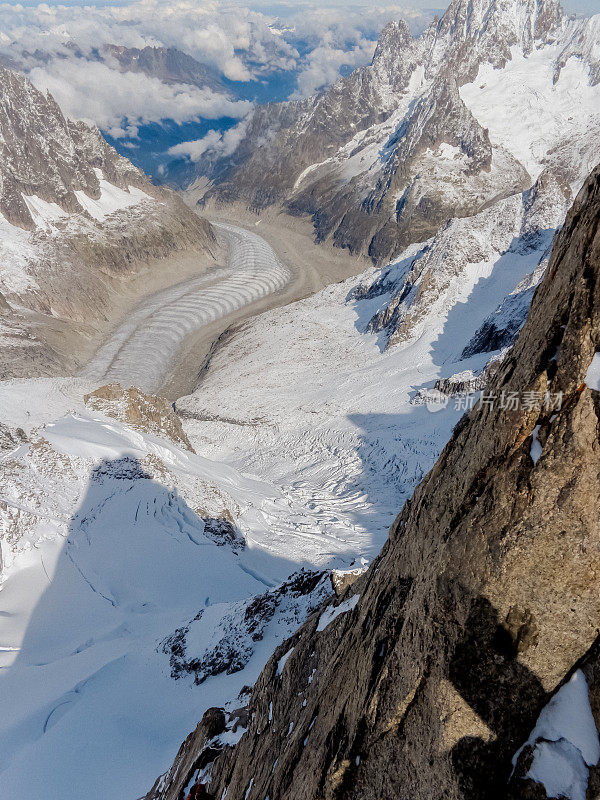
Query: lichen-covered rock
(342, 579)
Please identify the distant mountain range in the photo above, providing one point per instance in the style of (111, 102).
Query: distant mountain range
(473, 111)
(258, 58)
(215, 564)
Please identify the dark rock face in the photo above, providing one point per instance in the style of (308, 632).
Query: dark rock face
(198, 750)
(434, 668)
(490, 337)
(224, 533)
(460, 385)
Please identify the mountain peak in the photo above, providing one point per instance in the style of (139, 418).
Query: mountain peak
(395, 35)
(501, 22)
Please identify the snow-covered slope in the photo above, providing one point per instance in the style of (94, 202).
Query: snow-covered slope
(445, 125)
(310, 433)
(112, 540)
(143, 583)
(467, 269)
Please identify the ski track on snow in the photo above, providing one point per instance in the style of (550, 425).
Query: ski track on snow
(141, 351)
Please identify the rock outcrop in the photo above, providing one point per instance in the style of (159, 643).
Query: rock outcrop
(11, 439)
(146, 413)
(426, 677)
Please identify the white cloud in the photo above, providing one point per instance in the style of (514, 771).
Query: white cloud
(95, 92)
(325, 62)
(221, 144)
(310, 40)
(223, 36)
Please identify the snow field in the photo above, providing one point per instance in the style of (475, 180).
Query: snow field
(523, 98)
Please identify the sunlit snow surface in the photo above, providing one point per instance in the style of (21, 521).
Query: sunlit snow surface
(111, 199)
(22, 250)
(592, 377)
(509, 102)
(565, 742)
(333, 612)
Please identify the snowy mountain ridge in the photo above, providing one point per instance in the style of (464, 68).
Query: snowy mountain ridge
(154, 557)
(49, 157)
(437, 127)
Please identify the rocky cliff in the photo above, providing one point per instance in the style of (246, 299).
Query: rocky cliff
(389, 154)
(44, 154)
(425, 679)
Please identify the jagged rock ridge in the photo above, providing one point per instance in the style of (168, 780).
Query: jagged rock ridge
(44, 154)
(428, 675)
(168, 64)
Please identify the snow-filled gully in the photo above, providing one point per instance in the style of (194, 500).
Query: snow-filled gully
(142, 349)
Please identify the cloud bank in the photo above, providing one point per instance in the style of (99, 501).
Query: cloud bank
(64, 50)
(104, 97)
(219, 143)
